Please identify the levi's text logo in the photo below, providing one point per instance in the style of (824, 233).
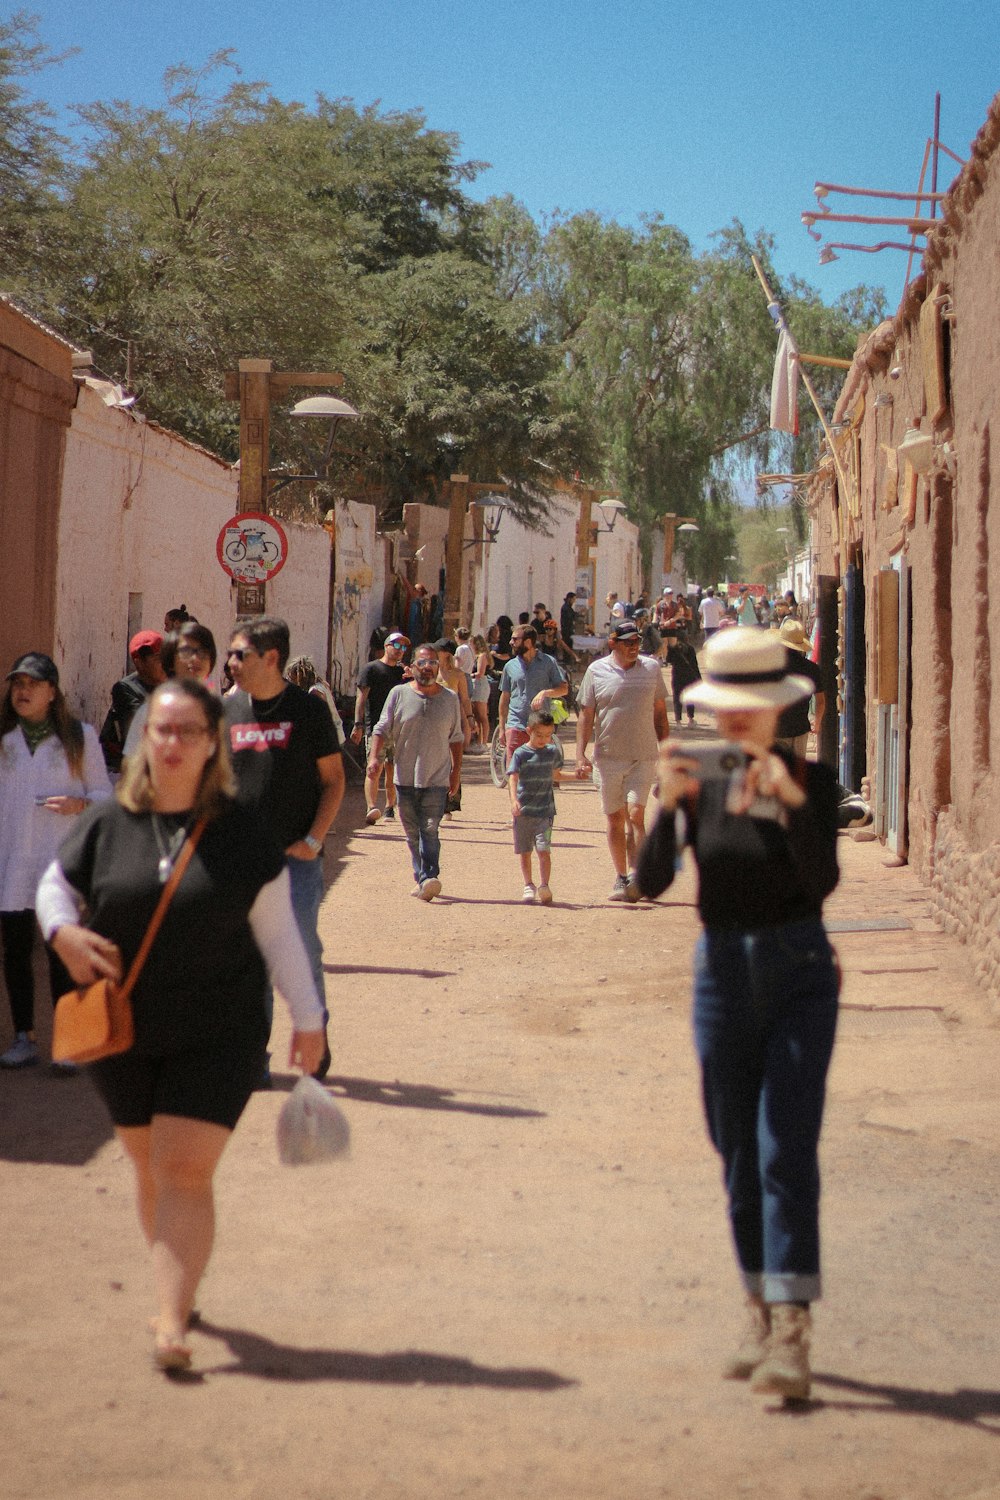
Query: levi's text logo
(260, 736)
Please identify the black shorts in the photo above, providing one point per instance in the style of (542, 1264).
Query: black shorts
(212, 1082)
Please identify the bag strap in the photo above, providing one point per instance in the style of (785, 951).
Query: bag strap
(176, 874)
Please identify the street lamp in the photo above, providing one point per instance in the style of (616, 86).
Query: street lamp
(330, 409)
(492, 507)
(610, 510)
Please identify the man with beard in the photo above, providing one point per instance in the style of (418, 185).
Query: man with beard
(529, 681)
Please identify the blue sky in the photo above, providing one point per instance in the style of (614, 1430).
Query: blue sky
(699, 111)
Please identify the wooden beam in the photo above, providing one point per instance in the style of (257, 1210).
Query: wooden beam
(283, 380)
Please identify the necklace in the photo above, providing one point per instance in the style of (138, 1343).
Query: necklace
(169, 847)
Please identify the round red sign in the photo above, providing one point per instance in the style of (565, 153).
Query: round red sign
(252, 547)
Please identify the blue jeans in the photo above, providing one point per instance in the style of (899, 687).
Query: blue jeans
(421, 809)
(306, 876)
(765, 1015)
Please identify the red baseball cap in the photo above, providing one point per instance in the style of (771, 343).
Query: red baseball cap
(145, 640)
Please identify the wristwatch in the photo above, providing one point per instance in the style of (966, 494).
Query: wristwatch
(314, 844)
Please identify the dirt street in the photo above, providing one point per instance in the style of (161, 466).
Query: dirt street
(520, 1286)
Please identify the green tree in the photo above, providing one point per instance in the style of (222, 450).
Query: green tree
(31, 157)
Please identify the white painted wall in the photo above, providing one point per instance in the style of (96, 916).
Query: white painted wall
(140, 512)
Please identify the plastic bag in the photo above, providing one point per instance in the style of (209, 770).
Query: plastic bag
(311, 1126)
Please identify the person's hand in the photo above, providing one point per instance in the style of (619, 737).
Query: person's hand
(306, 1050)
(454, 786)
(674, 774)
(540, 700)
(583, 767)
(68, 807)
(766, 776)
(86, 955)
(301, 850)
(515, 806)
(356, 735)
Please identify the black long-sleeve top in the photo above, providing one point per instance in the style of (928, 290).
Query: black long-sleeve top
(753, 872)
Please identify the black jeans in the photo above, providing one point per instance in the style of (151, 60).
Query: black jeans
(18, 930)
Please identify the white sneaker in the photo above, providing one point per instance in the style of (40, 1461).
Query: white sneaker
(528, 895)
(544, 895)
(22, 1052)
(430, 889)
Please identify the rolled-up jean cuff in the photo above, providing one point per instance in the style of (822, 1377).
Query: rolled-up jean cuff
(788, 1286)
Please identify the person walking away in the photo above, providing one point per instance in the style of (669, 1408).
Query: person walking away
(528, 681)
(623, 704)
(710, 613)
(650, 639)
(479, 690)
(422, 720)
(794, 726)
(533, 770)
(567, 620)
(302, 671)
(746, 614)
(200, 1026)
(764, 839)
(130, 692)
(51, 769)
(465, 655)
(452, 677)
(288, 768)
(375, 682)
(682, 659)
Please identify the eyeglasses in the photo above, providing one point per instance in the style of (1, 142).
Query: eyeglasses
(188, 734)
(193, 651)
(237, 653)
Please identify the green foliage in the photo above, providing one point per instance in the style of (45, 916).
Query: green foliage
(31, 156)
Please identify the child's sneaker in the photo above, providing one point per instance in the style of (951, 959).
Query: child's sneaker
(390, 813)
(528, 896)
(544, 895)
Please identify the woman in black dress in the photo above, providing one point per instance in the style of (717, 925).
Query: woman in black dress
(765, 987)
(200, 1026)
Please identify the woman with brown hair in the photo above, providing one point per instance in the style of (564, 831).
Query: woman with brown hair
(51, 767)
(200, 1027)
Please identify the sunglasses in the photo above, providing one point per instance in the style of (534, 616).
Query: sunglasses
(237, 653)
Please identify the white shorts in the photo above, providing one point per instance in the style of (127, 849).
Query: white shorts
(624, 782)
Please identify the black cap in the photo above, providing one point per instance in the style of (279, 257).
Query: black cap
(37, 665)
(445, 644)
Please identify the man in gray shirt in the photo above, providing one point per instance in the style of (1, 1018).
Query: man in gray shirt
(623, 703)
(422, 720)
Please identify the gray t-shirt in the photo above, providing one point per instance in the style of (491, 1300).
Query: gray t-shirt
(623, 699)
(421, 729)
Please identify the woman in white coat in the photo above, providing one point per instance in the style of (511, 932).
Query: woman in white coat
(51, 768)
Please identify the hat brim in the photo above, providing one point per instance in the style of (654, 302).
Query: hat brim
(751, 695)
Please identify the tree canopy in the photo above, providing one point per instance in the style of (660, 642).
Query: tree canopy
(226, 224)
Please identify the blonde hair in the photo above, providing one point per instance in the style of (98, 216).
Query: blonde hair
(218, 784)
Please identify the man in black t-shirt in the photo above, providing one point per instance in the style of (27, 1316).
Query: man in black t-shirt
(130, 693)
(375, 683)
(288, 768)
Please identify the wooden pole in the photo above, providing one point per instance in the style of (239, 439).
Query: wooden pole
(255, 428)
(458, 490)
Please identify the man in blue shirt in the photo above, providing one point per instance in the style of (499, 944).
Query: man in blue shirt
(529, 680)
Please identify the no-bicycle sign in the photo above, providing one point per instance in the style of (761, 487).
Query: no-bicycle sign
(252, 547)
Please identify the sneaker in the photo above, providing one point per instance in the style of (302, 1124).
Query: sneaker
(372, 816)
(544, 895)
(528, 894)
(429, 889)
(619, 891)
(65, 1069)
(632, 891)
(447, 818)
(22, 1052)
(390, 814)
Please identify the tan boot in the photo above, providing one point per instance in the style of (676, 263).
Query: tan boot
(785, 1370)
(752, 1348)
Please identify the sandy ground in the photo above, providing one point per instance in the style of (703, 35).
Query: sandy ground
(520, 1284)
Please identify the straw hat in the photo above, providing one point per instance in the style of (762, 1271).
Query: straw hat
(745, 667)
(793, 635)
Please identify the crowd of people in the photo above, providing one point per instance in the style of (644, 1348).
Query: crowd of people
(243, 784)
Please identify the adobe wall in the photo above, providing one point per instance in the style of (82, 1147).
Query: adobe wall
(944, 526)
(37, 395)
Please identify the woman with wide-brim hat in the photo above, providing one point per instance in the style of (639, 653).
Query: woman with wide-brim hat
(764, 838)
